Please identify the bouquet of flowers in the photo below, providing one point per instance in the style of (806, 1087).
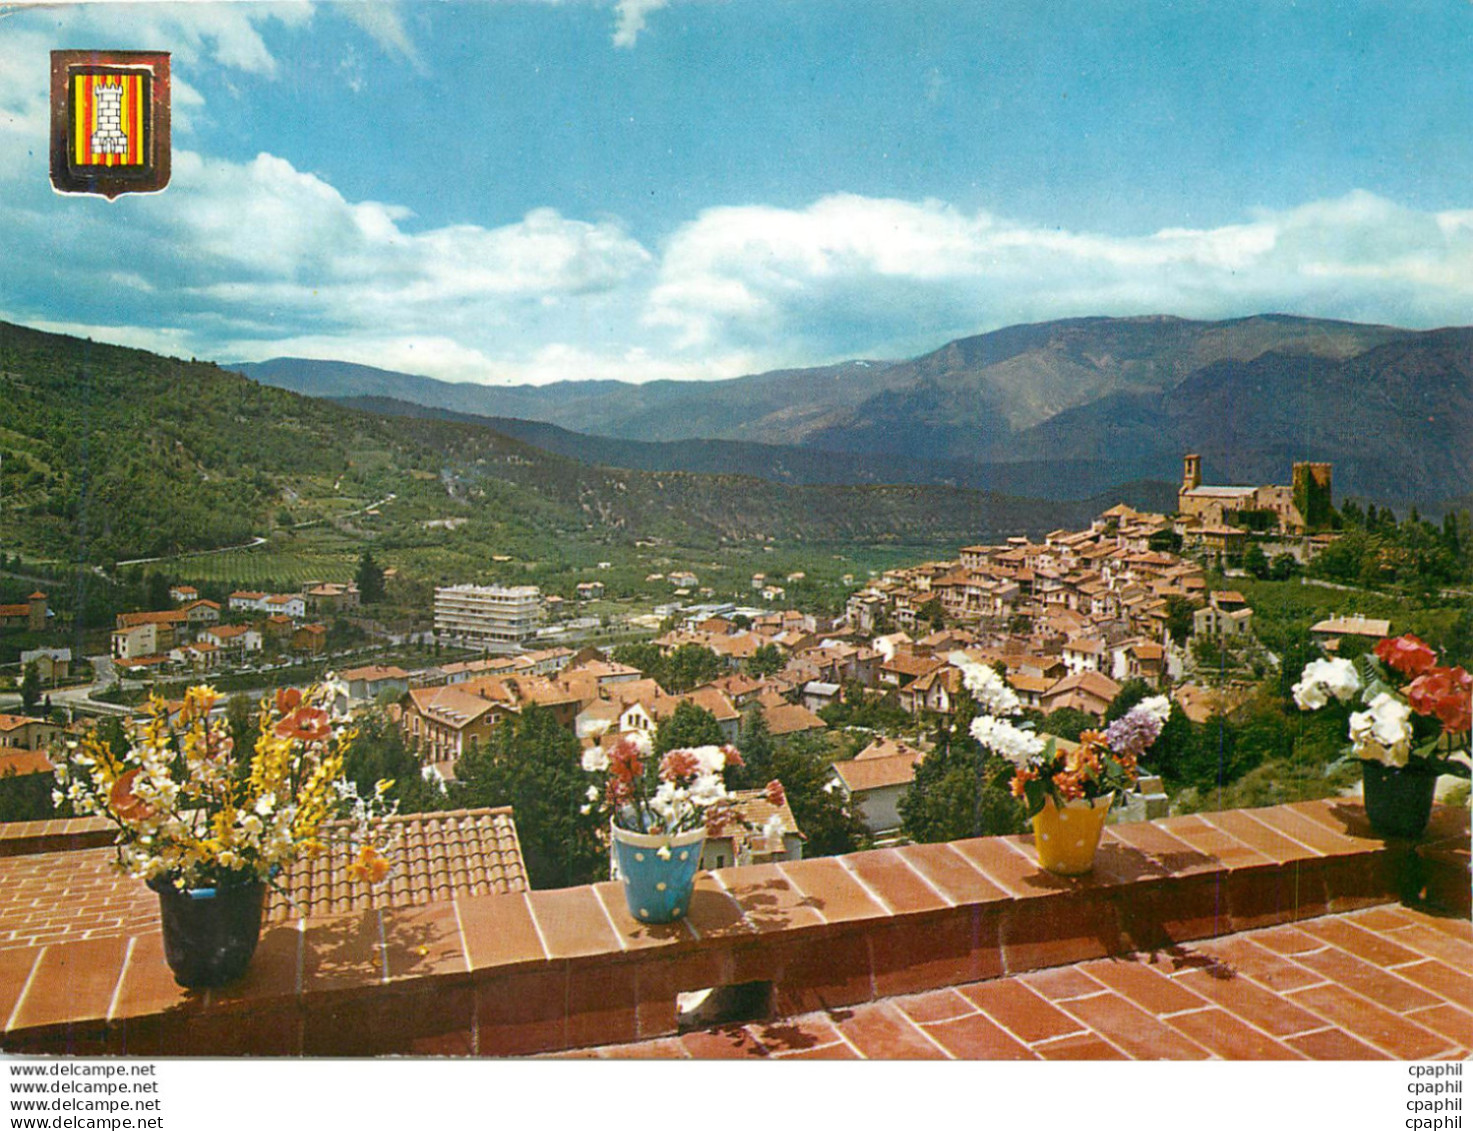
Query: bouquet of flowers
(1103, 763)
(193, 811)
(677, 793)
(1417, 713)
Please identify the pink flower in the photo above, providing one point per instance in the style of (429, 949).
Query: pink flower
(1406, 654)
(1446, 693)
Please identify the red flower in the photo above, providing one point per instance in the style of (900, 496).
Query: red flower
(624, 761)
(777, 797)
(287, 699)
(733, 756)
(1445, 693)
(678, 765)
(306, 724)
(124, 802)
(1406, 654)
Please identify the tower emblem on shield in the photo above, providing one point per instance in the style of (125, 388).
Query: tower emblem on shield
(109, 121)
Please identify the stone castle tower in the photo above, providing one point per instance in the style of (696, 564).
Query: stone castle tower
(36, 620)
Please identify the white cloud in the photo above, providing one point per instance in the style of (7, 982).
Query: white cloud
(631, 16)
(382, 22)
(851, 275)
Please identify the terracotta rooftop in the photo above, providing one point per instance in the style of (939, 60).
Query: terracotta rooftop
(440, 856)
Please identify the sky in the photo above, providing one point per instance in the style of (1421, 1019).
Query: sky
(524, 191)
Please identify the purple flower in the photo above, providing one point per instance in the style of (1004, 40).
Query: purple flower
(1133, 733)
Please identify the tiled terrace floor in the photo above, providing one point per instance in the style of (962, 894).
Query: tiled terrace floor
(1386, 982)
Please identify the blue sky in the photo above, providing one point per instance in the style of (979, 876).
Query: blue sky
(529, 190)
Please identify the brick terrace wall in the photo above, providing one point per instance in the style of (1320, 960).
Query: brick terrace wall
(547, 970)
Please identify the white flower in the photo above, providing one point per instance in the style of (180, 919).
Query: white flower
(707, 790)
(592, 793)
(585, 809)
(989, 688)
(265, 804)
(1006, 740)
(709, 759)
(1383, 733)
(642, 743)
(1323, 679)
(1158, 706)
(595, 760)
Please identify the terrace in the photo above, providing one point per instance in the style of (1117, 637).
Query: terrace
(1288, 932)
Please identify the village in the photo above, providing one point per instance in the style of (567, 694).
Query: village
(1069, 620)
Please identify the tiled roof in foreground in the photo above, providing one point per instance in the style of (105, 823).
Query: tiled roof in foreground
(1388, 982)
(50, 896)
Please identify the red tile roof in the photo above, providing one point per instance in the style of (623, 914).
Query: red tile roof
(439, 856)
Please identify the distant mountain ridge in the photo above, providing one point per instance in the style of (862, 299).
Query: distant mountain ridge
(1057, 410)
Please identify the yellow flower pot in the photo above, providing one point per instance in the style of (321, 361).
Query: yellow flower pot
(1067, 838)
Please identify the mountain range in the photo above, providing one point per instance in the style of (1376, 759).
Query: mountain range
(1057, 410)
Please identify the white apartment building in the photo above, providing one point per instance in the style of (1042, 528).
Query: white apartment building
(488, 614)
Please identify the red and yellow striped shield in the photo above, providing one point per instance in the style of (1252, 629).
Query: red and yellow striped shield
(109, 118)
(109, 121)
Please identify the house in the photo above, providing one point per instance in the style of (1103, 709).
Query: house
(202, 655)
(937, 691)
(310, 638)
(53, 665)
(16, 761)
(201, 612)
(903, 668)
(135, 642)
(170, 627)
(27, 732)
(874, 781)
(1225, 614)
(245, 601)
(234, 637)
(1328, 632)
(748, 841)
(1088, 691)
(30, 616)
(1083, 653)
(286, 604)
(818, 695)
(181, 594)
(443, 723)
(590, 590)
(330, 597)
(368, 683)
(791, 718)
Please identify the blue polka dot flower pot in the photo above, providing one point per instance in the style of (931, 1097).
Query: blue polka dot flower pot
(658, 872)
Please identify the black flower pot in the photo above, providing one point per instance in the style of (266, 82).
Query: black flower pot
(1398, 798)
(209, 933)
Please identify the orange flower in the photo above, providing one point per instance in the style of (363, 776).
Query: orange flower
(371, 866)
(1069, 786)
(287, 699)
(1021, 779)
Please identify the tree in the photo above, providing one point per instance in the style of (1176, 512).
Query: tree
(533, 764)
(1179, 612)
(1255, 561)
(30, 688)
(689, 666)
(1132, 693)
(958, 789)
(688, 725)
(802, 763)
(158, 592)
(370, 579)
(767, 660)
(379, 753)
(1067, 722)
